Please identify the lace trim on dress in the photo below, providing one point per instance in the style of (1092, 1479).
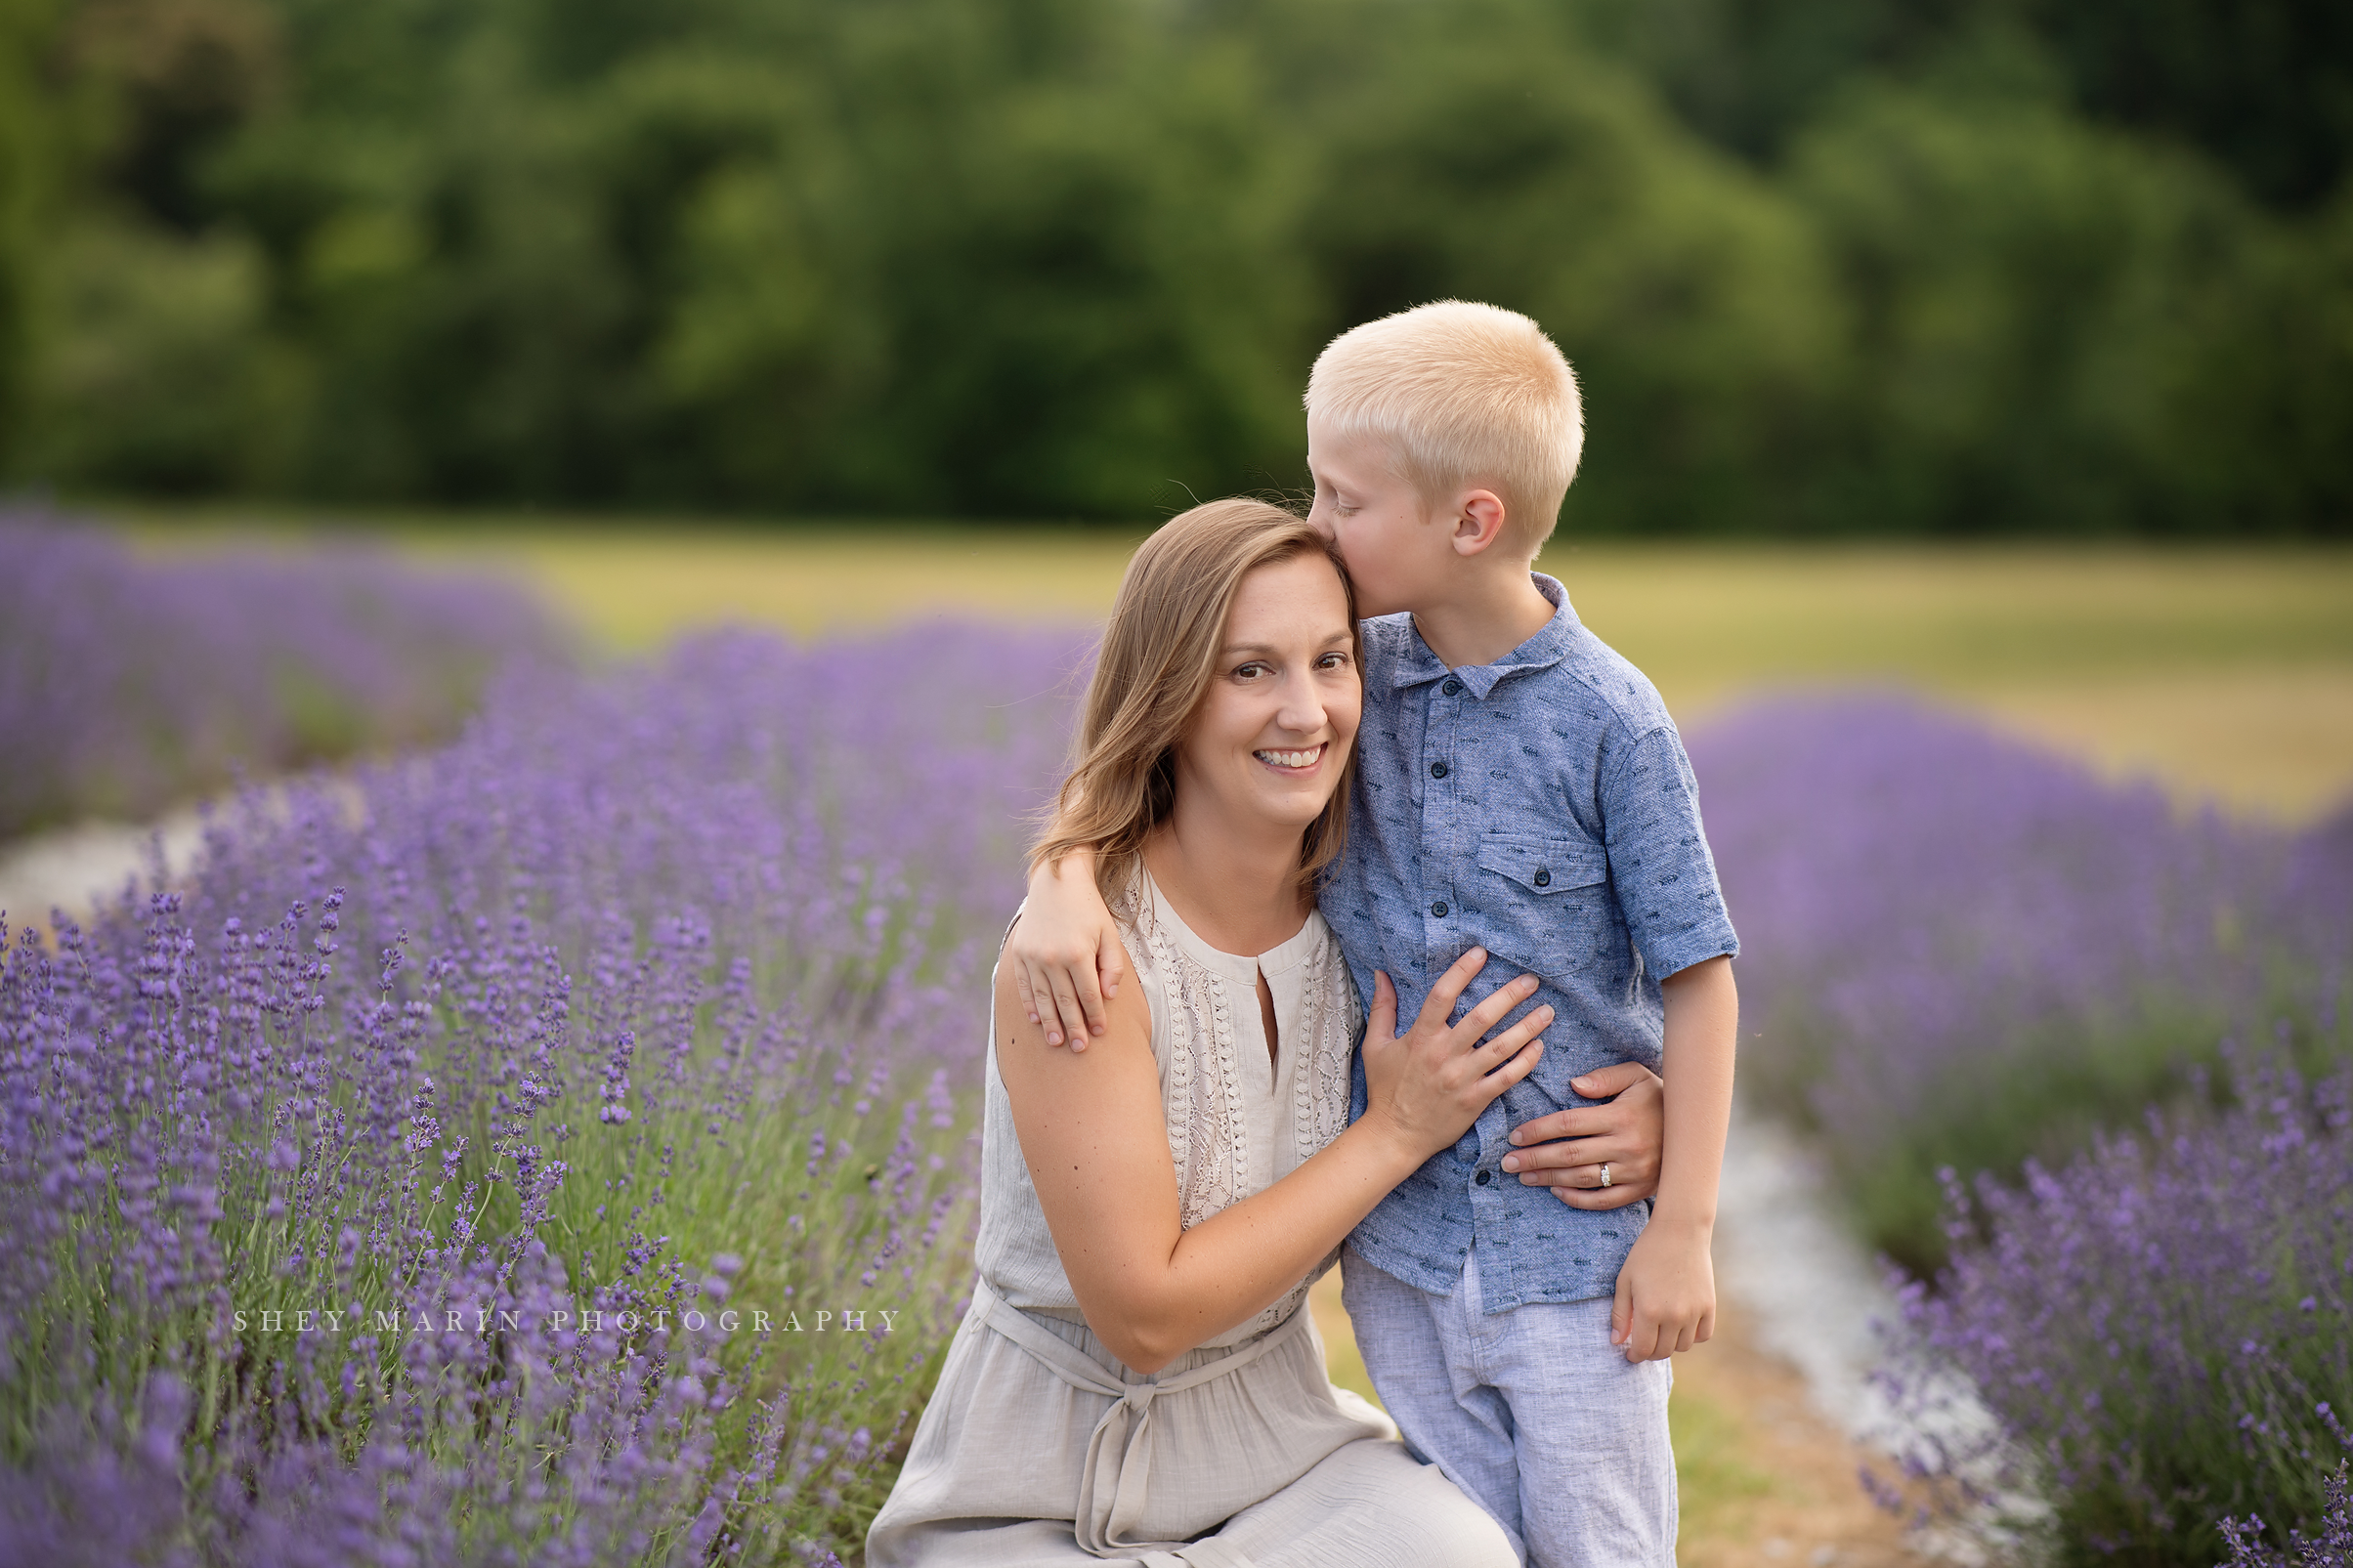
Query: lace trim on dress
(1321, 1098)
(1209, 1133)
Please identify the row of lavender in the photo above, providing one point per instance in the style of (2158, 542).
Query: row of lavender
(128, 684)
(639, 1001)
(2002, 996)
(561, 1156)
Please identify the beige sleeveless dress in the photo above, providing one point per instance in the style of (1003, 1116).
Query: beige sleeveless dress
(1040, 1448)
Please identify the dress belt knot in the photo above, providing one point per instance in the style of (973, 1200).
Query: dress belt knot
(1116, 1486)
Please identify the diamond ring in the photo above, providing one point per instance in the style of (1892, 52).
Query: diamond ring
(1605, 1175)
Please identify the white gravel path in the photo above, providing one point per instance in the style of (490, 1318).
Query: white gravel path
(1818, 1301)
(1783, 1252)
(71, 868)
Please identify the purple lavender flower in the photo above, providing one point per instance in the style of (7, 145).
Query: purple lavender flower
(2329, 1543)
(127, 684)
(1961, 949)
(354, 1072)
(2163, 1329)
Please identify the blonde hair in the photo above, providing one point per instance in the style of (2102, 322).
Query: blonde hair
(1159, 655)
(1460, 393)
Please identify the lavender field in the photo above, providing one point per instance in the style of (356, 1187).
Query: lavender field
(2079, 1066)
(128, 685)
(566, 1157)
(1959, 949)
(557, 1146)
(2159, 1324)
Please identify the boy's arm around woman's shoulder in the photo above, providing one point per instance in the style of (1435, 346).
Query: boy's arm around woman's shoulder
(1066, 962)
(1064, 955)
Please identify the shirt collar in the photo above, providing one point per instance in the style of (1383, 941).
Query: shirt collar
(1548, 647)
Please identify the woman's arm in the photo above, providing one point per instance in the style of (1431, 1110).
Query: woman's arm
(1096, 1145)
(1567, 1150)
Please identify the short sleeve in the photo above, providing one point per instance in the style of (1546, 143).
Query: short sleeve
(1659, 865)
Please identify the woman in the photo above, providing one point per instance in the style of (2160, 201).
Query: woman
(1135, 1380)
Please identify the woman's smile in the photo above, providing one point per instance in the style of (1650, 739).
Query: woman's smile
(1299, 762)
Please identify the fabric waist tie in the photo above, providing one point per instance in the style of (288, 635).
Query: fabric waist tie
(1116, 1484)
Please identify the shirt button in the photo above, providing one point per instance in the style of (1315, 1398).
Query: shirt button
(1439, 909)
(1452, 688)
(1437, 770)
(1485, 1177)
(1544, 879)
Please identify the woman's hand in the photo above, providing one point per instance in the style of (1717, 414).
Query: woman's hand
(1567, 1150)
(1428, 1085)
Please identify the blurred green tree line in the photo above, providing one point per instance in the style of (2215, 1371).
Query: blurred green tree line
(1826, 267)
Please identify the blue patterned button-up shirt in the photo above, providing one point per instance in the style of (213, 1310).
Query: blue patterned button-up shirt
(1540, 807)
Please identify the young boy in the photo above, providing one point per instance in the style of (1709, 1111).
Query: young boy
(1520, 788)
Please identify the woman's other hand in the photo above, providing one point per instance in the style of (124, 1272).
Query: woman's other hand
(1567, 1150)
(1429, 1083)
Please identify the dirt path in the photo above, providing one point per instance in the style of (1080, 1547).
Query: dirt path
(1767, 1477)
(74, 868)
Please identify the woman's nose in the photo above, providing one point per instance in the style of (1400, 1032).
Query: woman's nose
(1303, 706)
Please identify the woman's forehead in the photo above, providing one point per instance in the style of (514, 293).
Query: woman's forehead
(1294, 598)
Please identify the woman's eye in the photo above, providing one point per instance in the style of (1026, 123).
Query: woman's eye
(1249, 672)
(1333, 662)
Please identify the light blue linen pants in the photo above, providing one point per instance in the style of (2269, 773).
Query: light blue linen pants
(1532, 1412)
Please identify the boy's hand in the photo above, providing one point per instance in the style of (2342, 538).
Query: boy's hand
(1066, 954)
(1567, 1150)
(1666, 1295)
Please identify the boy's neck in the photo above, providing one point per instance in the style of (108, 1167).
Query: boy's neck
(1482, 614)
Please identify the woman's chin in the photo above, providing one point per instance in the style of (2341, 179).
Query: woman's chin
(1297, 807)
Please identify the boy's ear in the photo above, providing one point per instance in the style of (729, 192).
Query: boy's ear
(1478, 520)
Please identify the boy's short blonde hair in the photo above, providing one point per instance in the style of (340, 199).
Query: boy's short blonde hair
(1461, 395)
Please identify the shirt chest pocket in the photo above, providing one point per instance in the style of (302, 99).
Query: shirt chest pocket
(1546, 900)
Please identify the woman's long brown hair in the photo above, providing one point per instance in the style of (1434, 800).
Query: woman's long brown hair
(1159, 655)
